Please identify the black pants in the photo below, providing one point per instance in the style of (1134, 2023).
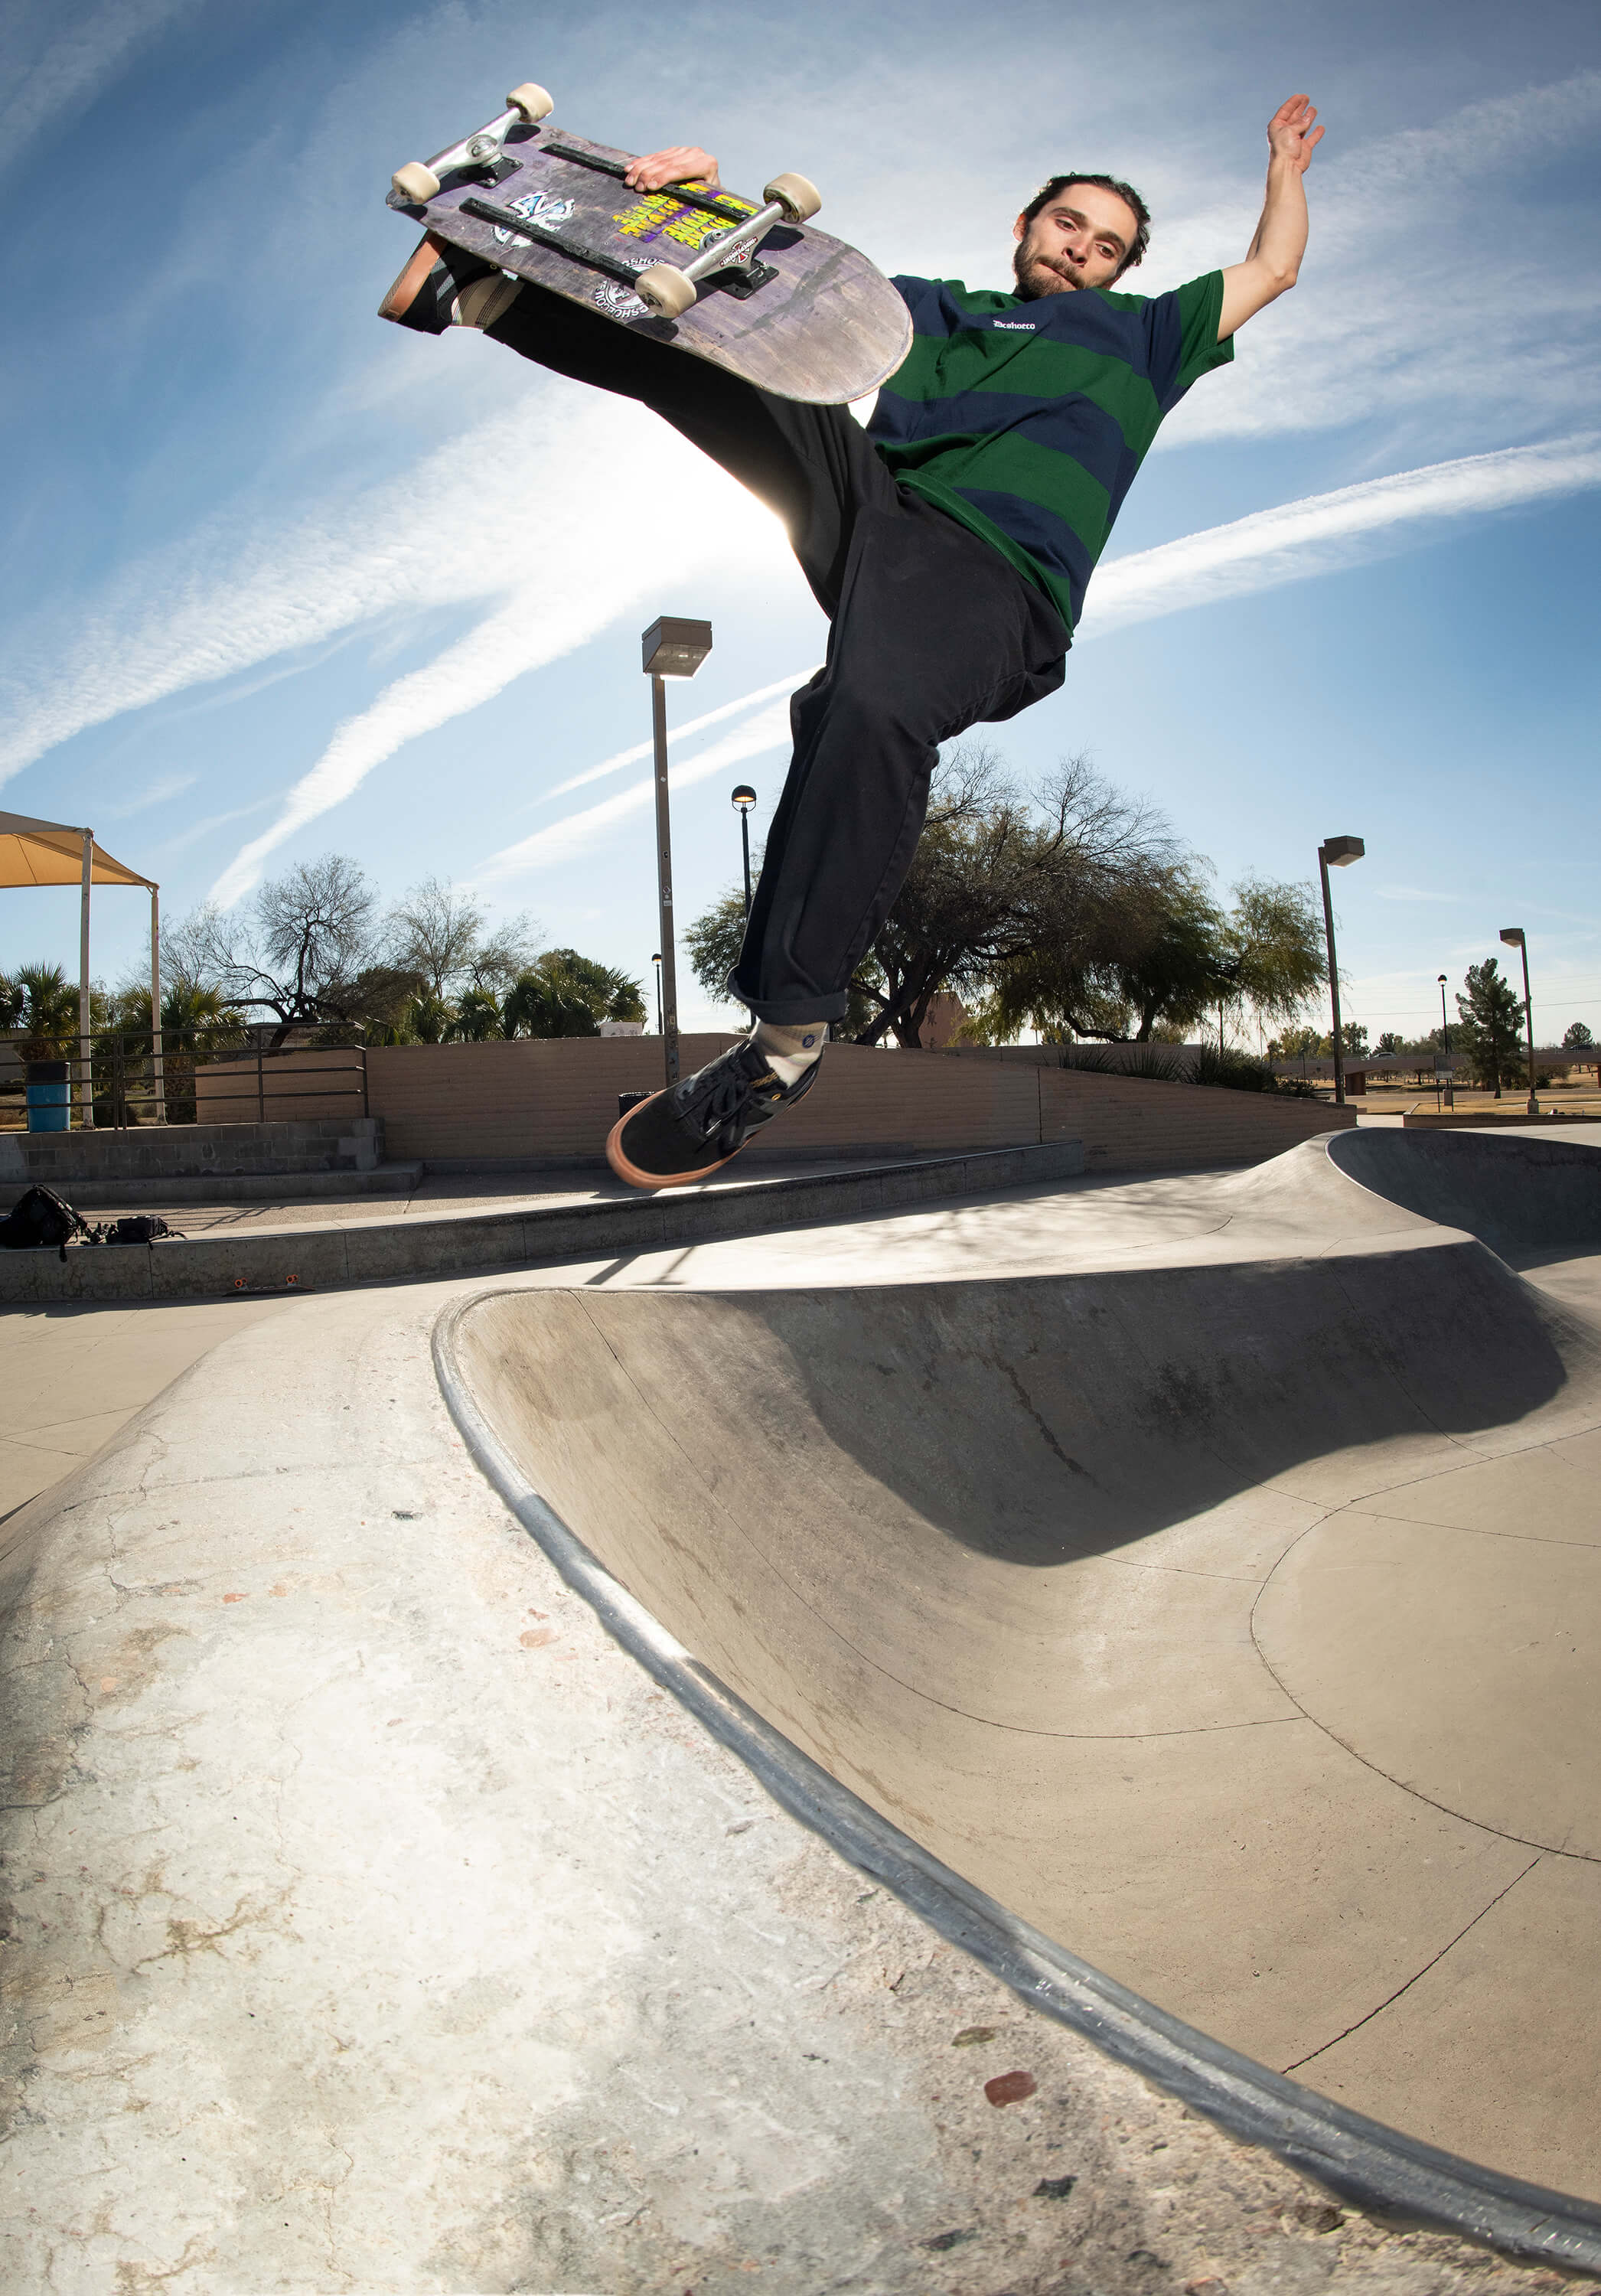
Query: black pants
(932, 632)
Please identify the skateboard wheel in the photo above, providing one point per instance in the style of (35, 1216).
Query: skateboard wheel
(532, 101)
(416, 182)
(667, 291)
(799, 199)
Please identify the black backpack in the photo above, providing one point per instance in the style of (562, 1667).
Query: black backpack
(40, 1221)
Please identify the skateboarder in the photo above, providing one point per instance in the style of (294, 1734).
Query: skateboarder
(950, 543)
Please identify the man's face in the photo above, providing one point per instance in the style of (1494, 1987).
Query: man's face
(1077, 240)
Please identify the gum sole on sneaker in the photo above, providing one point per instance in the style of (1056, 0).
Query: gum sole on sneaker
(631, 1173)
(408, 286)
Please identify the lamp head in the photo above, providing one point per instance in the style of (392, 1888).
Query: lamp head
(657, 958)
(672, 648)
(1442, 980)
(1339, 852)
(1513, 935)
(743, 798)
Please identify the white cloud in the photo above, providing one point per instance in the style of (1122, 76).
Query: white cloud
(604, 543)
(1287, 544)
(681, 733)
(72, 64)
(564, 840)
(482, 517)
(156, 793)
(1392, 314)
(1323, 532)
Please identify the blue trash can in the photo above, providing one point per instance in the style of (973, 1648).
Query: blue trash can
(49, 1097)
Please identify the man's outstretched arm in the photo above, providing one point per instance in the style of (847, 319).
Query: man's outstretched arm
(1274, 256)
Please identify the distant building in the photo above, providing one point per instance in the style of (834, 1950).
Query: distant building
(945, 1015)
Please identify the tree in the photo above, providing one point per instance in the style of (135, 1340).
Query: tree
(1273, 942)
(378, 1007)
(443, 934)
(569, 994)
(546, 1003)
(296, 952)
(610, 995)
(477, 1017)
(1071, 910)
(1026, 902)
(1390, 1043)
(44, 1003)
(1353, 1040)
(1491, 1019)
(1577, 1036)
(1180, 968)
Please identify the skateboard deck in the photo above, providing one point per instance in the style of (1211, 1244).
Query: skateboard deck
(791, 309)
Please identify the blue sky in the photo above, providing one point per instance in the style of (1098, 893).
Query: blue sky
(284, 579)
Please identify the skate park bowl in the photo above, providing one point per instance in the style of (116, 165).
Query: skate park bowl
(1205, 1634)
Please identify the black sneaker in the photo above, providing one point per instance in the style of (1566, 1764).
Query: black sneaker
(691, 1129)
(433, 293)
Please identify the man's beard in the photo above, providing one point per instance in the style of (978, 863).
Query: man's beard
(1036, 277)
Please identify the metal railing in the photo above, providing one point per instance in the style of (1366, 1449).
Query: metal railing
(117, 1080)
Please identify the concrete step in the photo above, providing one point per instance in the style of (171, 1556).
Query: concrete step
(223, 1188)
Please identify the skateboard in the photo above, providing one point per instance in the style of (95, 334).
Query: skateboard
(747, 284)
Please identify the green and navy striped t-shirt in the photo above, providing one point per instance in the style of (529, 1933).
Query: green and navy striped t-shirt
(1027, 419)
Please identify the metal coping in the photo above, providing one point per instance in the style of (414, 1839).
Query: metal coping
(1394, 2177)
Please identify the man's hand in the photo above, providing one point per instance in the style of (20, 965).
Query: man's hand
(685, 163)
(1273, 260)
(1291, 134)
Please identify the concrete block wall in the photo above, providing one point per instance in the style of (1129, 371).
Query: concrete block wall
(558, 1099)
(554, 1101)
(1128, 1124)
(166, 1152)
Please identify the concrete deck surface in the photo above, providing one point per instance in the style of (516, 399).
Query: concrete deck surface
(378, 1926)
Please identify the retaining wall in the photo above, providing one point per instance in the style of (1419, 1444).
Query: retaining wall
(551, 1101)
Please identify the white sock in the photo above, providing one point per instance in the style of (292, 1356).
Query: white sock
(482, 303)
(790, 1052)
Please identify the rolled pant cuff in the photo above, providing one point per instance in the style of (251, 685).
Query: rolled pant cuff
(792, 1011)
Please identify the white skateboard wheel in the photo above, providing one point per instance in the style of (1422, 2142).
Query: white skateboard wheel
(416, 182)
(795, 196)
(667, 291)
(532, 101)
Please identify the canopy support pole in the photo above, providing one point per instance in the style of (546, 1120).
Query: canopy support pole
(157, 1049)
(85, 1065)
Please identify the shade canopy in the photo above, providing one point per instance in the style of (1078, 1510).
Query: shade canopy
(51, 853)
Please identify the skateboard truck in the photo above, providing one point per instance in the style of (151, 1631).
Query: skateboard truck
(479, 154)
(669, 291)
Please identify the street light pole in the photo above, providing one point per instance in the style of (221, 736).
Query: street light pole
(1513, 937)
(1445, 1041)
(743, 799)
(669, 648)
(1335, 853)
(656, 960)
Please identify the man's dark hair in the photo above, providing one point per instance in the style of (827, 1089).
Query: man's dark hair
(1125, 192)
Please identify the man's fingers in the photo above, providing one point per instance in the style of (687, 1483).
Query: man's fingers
(682, 163)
